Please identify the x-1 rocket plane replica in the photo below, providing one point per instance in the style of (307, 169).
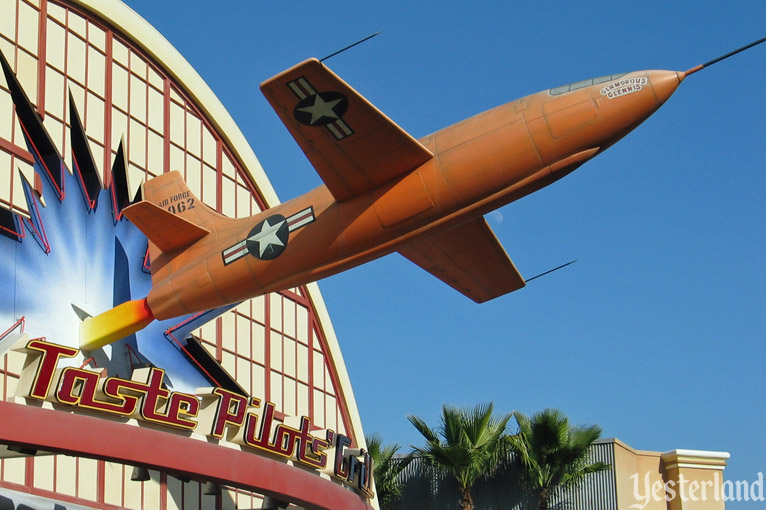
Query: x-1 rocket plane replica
(384, 191)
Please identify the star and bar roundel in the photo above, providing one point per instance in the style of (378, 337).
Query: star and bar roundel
(325, 109)
(268, 239)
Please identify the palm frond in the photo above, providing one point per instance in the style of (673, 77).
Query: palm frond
(467, 444)
(386, 469)
(423, 428)
(551, 451)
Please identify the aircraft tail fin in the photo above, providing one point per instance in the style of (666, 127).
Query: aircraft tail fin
(170, 216)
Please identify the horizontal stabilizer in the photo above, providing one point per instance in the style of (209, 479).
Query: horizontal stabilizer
(168, 231)
(469, 259)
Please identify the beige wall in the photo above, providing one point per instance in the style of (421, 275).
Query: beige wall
(675, 480)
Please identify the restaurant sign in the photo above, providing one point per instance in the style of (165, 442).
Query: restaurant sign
(214, 412)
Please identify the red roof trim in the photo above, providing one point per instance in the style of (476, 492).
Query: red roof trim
(73, 434)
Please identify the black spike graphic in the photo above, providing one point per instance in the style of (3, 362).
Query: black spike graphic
(38, 140)
(119, 186)
(10, 226)
(82, 158)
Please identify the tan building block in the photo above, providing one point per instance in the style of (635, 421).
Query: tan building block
(695, 478)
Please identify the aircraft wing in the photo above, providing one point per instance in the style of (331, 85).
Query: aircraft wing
(470, 259)
(352, 145)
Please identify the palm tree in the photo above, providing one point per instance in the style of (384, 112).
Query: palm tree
(386, 470)
(467, 444)
(552, 452)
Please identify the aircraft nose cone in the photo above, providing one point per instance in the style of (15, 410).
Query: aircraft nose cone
(664, 83)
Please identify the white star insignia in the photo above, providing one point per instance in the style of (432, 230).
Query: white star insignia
(267, 236)
(320, 109)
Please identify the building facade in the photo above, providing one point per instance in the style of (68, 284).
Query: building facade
(93, 102)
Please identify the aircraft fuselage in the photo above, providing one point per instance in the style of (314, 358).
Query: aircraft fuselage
(479, 164)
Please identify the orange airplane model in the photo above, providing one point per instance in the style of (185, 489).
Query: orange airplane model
(384, 191)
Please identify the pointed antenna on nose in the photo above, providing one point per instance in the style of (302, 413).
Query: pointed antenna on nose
(723, 57)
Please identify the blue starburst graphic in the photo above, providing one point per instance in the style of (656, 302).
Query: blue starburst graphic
(76, 257)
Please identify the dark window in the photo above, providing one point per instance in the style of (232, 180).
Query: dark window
(584, 83)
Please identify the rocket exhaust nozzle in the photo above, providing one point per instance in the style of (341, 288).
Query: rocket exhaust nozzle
(114, 324)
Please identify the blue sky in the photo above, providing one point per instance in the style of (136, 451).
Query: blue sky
(656, 334)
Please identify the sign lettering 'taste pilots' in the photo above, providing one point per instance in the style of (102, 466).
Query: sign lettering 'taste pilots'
(215, 412)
